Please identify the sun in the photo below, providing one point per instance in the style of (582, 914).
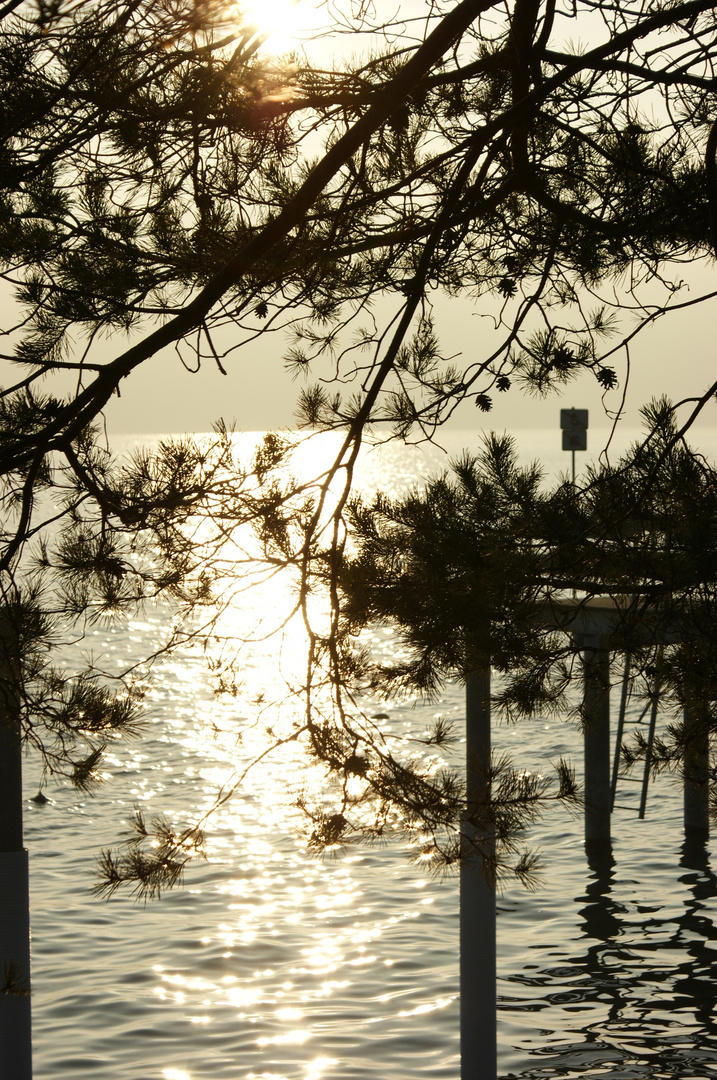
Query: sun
(284, 23)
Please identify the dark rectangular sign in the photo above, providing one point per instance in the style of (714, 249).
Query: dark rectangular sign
(577, 439)
(574, 420)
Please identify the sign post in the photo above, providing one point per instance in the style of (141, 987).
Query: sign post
(574, 423)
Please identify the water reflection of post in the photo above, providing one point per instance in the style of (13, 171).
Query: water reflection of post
(599, 915)
(616, 974)
(477, 893)
(602, 923)
(697, 931)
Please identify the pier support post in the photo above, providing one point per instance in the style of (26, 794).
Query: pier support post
(696, 772)
(15, 1019)
(477, 894)
(596, 718)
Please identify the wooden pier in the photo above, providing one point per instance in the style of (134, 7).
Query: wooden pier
(599, 626)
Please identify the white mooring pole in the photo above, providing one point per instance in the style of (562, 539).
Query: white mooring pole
(477, 895)
(15, 1029)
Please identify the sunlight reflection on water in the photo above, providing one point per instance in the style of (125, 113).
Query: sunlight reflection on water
(270, 964)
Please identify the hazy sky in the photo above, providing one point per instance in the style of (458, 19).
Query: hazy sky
(676, 356)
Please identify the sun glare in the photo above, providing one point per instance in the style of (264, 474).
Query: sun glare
(285, 22)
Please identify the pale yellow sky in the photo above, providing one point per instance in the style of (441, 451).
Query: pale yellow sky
(674, 357)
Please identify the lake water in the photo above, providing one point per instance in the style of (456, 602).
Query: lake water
(271, 964)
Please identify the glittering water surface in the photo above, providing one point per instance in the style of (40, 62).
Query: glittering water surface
(270, 964)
